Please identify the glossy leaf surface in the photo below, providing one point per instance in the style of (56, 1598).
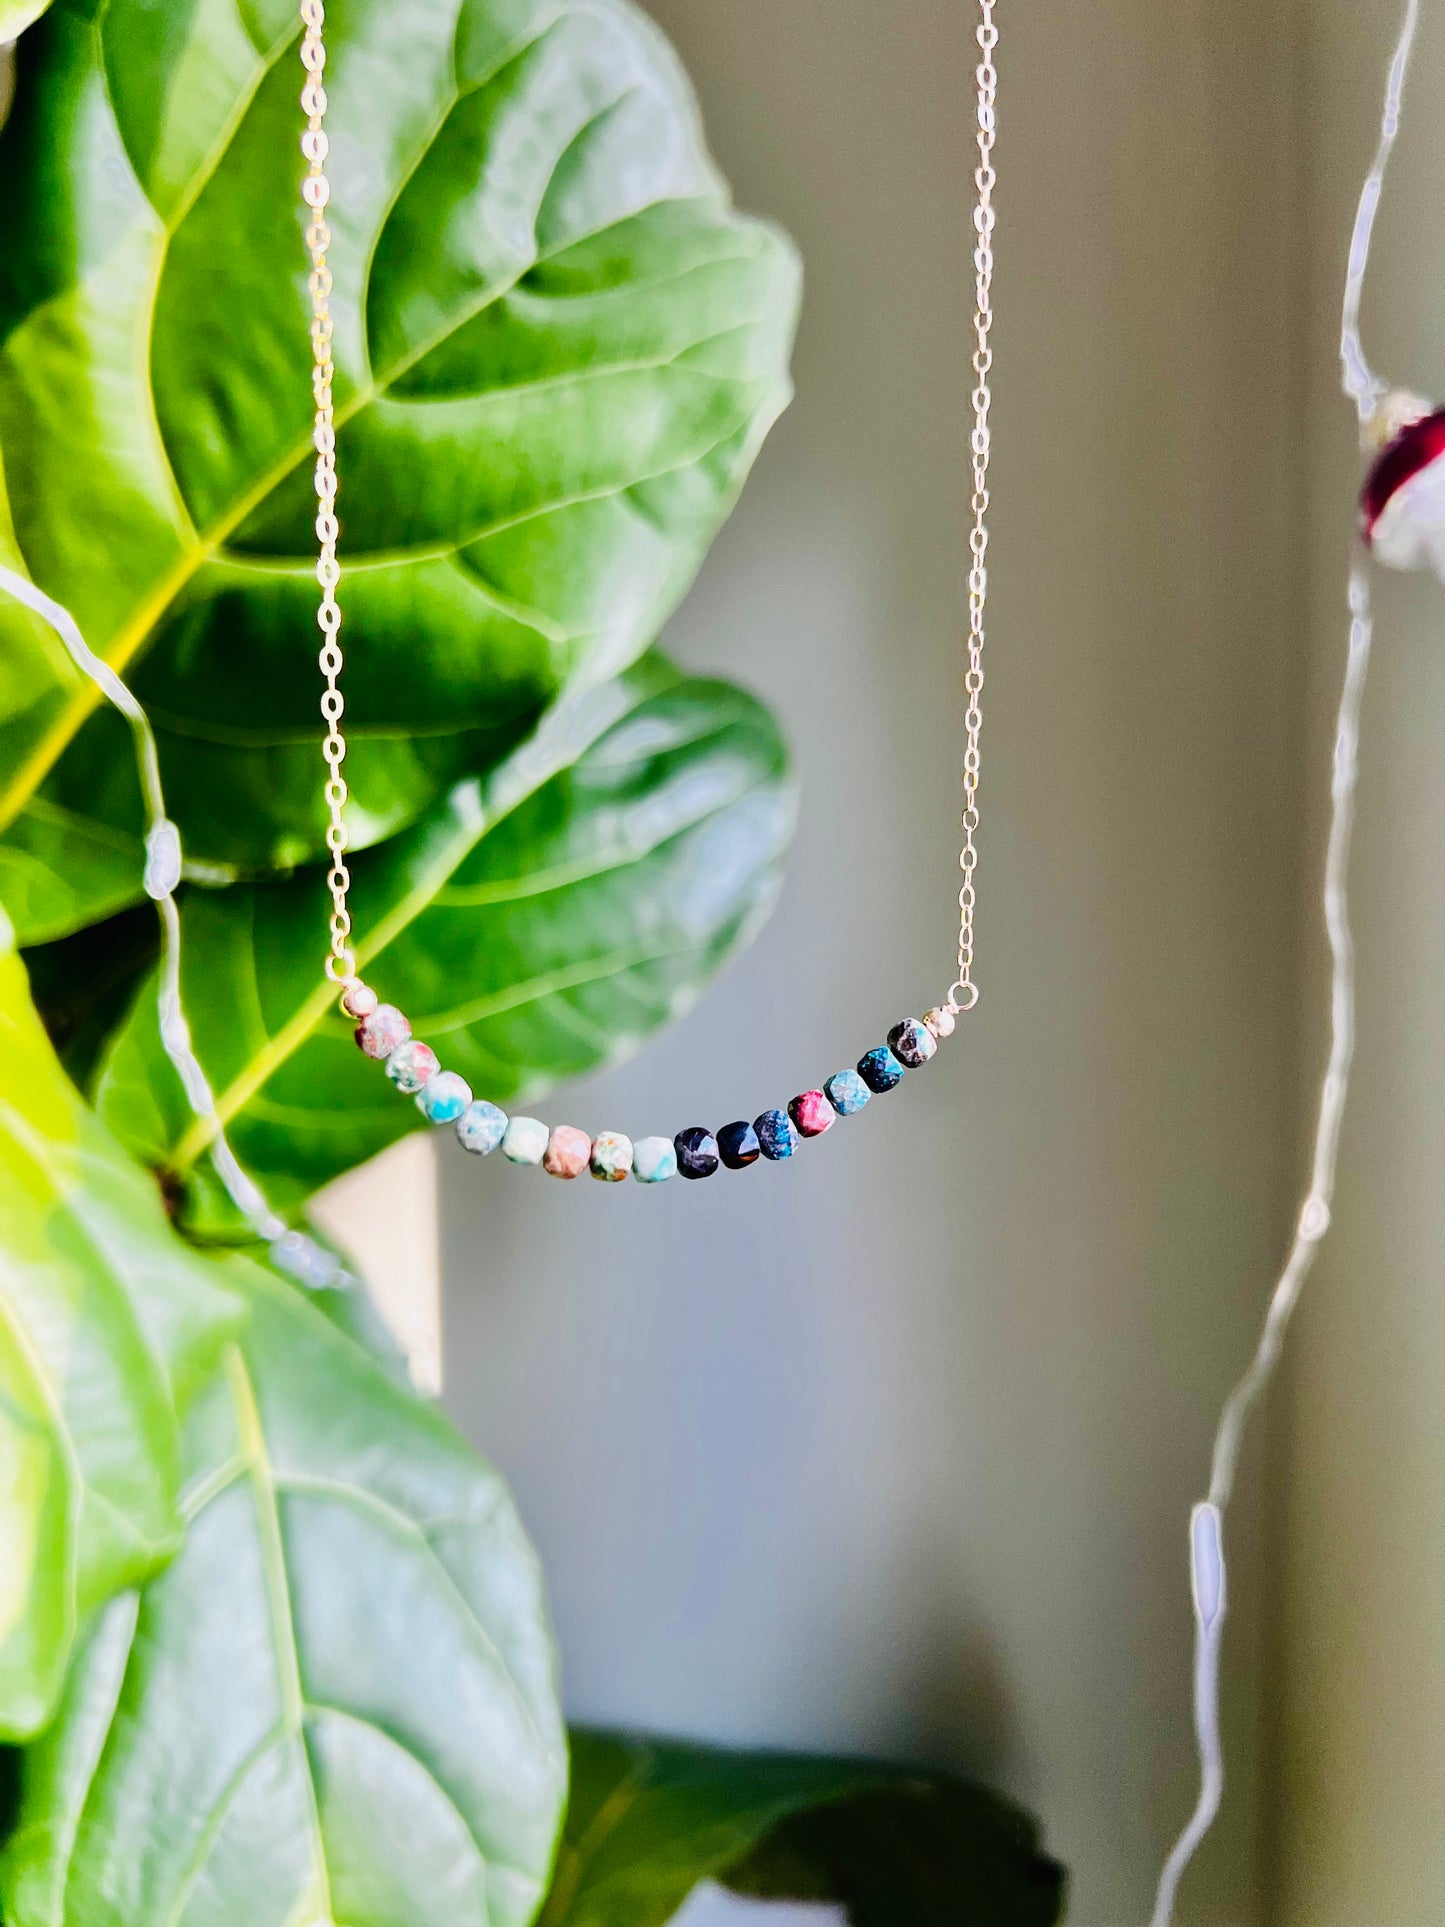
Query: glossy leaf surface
(650, 1819)
(107, 1323)
(338, 1703)
(558, 350)
(61, 865)
(542, 922)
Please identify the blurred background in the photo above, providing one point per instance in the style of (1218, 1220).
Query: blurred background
(892, 1451)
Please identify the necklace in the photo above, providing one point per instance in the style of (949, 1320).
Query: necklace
(383, 1031)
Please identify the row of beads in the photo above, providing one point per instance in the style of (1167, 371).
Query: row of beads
(566, 1152)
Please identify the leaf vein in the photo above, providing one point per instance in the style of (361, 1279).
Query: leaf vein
(359, 1499)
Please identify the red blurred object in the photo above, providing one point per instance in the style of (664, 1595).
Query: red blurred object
(1402, 503)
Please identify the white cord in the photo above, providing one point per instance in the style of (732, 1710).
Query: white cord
(1208, 1568)
(292, 1251)
(1361, 384)
(1206, 1537)
(1314, 1219)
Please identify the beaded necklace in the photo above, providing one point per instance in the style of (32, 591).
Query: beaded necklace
(382, 1030)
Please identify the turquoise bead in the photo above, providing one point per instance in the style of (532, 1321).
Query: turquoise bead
(654, 1160)
(847, 1092)
(776, 1135)
(481, 1128)
(444, 1097)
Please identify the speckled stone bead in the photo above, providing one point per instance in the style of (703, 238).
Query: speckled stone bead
(481, 1128)
(879, 1069)
(912, 1042)
(812, 1113)
(654, 1160)
(940, 1021)
(358, 999)
(525, 1140)
(846, 1092)
(382, 1030)
(410, 1065)
(696, 1152)
(568, 1151)
(611, 1157)
(737, 1145)
(776, 1136)
(443, 1097)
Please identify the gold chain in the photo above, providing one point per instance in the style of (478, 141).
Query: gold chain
(316, 193)
(963, 993)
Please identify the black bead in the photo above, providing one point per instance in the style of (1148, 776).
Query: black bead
(879, 1069)
(738, 1145)
(696, 1152)
(911, 1043)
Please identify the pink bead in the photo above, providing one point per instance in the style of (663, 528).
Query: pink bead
(382, 1030)
(358, 999)
(812, 1113)
(568, 1152)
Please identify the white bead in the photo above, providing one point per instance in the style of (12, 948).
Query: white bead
(939, 1021)
(526, 1140)
(654, 1160)
(611, 1156)
(358, 999)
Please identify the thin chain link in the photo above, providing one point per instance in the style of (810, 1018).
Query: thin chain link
(963, 993)
(316, 193)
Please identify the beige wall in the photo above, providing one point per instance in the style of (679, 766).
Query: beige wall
(1358, 1706)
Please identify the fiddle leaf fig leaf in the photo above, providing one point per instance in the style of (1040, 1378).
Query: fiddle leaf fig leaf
(60, 865)
(650, 1819)
(539, 923)
(107, 1324)
(558, 350)
(338, 1704)
(913, 1849)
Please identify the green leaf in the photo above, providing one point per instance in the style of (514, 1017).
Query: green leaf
(650, 1819)
(60, 865)
(558, 351)
(84, 985)
(107, 1324)
(924, 1850)
(542, 922)
(338, 1704)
